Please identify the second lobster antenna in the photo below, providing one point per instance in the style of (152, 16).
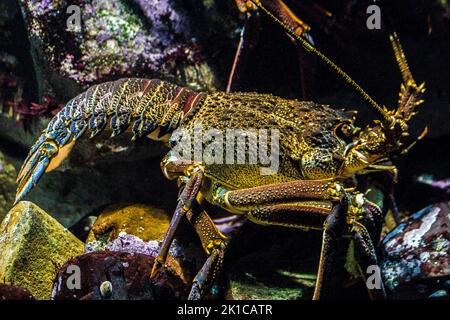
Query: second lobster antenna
(309, 47)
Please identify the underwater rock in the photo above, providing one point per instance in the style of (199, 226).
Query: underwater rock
(124, 243)
(184, 259)
(415, 256)
(144, 221)
(7, 185)
(20, 137)
(111, 39)
(31, 244)
(115, 276)
(10, 292)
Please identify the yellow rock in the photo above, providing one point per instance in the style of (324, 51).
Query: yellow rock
(32, 246)
(144, 221)
(7, 185)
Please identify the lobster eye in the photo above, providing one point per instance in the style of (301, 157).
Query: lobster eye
(346, 129)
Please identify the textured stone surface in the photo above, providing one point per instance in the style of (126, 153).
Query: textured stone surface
(32, 245)
(7, 185)
(10, 292)
(144, 221)
(415, 255)
(116, 276)
(184, 259)
(114, 38)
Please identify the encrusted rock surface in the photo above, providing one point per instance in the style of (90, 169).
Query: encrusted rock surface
(184, 259)
(32, 246)
(10, 292)
(115, 276)
(110, 39)
(7, 185)
(415, 255)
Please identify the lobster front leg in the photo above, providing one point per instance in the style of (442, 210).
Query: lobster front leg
(245, 200)
(366, 257)
(248, 40)
(309, 204)
(311, 215)
(214, 243)
(185, 202)
(333, 230)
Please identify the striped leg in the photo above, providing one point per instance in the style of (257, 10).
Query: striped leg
(314, 204)
(214, 244)
(184, 206)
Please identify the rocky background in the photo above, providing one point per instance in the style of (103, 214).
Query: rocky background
(43, 63)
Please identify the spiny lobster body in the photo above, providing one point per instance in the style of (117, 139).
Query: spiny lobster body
(155, 108)
(319, 148)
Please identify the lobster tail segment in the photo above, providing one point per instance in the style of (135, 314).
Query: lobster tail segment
(147, 108)
(48, 153)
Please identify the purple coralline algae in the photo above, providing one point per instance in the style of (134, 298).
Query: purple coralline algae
(132, 244)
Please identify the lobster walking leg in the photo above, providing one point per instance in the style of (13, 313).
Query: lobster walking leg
(334, 228)
(309, 204)
(184, 206)
(245, 200)
(279, 9)
(366, 256)
(250, 36)
(214, 244)
(304, 215)
(248, 40)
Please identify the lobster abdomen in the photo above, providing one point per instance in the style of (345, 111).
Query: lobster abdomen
(152, 108)
(148, 104)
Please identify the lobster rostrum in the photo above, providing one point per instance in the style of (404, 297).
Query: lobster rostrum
(320, 148)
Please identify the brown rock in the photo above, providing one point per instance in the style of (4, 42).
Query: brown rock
(111, 275)
(9, 292)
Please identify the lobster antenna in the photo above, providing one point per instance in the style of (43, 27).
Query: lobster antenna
(309, 47)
